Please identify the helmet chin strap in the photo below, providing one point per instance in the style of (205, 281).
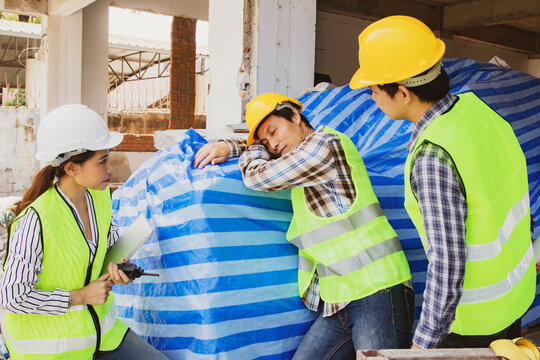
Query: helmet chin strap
(424, 79)
(64, 157)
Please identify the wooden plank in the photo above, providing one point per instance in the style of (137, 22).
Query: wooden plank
(438, 354)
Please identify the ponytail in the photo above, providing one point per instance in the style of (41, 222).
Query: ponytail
(42, 182)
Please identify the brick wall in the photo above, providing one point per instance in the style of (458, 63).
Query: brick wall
(138, 122)
(137, 143)
(182, 73)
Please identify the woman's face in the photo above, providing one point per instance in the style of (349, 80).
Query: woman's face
(280, 135)
(95, 173)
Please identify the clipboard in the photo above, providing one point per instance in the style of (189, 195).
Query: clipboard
(130, 241)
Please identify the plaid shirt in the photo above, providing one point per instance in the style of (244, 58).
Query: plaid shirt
(437, 186)
(318, 165)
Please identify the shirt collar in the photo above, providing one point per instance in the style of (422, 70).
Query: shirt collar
(437, 109)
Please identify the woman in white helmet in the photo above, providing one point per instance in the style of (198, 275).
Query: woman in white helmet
(57, 304)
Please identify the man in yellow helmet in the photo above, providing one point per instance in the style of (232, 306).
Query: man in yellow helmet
(466, 189)
(351, 267)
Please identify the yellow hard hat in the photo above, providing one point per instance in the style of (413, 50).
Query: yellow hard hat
(259, 108)
(393, 49)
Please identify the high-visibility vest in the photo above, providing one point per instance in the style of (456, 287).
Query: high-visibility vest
(83, 328)
(356, 253)
(500, 273)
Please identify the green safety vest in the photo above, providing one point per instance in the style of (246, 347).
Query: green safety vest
(83, 328)
(356, 253)
(500, 273)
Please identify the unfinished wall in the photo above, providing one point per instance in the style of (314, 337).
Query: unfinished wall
(480, 52)
(336, 46)
(534, 67)
(18, 164)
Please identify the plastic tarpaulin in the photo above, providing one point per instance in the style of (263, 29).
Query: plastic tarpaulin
(228, 276)
(227, 287)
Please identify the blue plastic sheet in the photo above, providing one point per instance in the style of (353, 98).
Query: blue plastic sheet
(228, 276)
(228, 286)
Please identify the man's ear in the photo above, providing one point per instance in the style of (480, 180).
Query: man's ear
(403, 94)
(296, 118)
(71, 168)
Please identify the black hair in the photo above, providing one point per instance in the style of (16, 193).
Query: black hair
(286, 113)
(430, 92)
(44, 179)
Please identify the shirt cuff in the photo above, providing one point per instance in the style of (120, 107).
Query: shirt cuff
(67, 296)
(235, 149)
(427, 339)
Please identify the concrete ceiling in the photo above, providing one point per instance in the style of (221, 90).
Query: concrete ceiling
(511, 24)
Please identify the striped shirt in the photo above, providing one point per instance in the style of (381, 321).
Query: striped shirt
(437, 186)
(318, 165)
(18, 293)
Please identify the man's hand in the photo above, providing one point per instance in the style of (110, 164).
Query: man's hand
(214, 153)
(415, 347)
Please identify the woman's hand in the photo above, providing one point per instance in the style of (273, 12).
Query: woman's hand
(95, 293)
(214, 153)
(118, 276)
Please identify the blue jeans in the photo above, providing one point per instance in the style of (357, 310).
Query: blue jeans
(132, 348)
(380, 321)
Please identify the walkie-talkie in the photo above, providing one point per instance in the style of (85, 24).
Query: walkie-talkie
(133, 271)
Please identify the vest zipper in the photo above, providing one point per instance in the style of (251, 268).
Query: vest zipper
(95, 318)
(93, 313)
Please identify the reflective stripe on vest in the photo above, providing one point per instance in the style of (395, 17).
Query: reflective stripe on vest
(66, 266)
(339, 227)
(499, 280)
(492, 249)
(363, 258)
(342, 246)
(62, 345)
(305, 264)
(493, 291)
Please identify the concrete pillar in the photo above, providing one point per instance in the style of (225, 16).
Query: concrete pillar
(75, 56)
(285, 48)
(225, 44)
(33, 79)
(62, 56)
(258, 46)
(95, 57)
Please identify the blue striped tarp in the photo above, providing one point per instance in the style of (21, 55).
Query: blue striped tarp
(228, 277)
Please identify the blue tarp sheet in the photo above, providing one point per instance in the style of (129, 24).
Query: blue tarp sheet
(228, 276)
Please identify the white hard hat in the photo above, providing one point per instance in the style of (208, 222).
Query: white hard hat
(72, 128)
